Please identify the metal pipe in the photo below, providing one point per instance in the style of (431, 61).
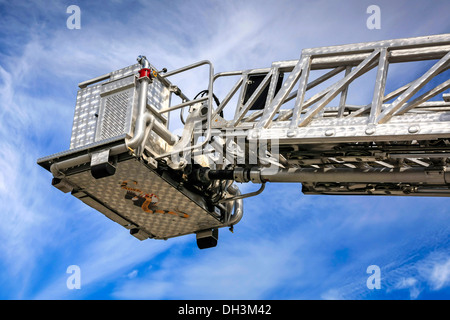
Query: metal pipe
(247, 195)
(86, 83)
(165, 134)
(191, 66)
(220, 174)
(373, 175)
(143, 62)
(209, 107)
(182, 105)
(57, 167)
(143, 117)
(238, 206)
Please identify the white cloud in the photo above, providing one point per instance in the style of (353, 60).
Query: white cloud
(440, 276)
(435, 270)
(111, 256)
(231, 272)
(332, 294)
(133, 274)
(411, 284)
(420, 276)
(285, 242)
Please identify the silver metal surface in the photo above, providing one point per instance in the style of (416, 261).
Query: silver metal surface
(299, 122)
(169, 212)
(106, 109)
(117, 100)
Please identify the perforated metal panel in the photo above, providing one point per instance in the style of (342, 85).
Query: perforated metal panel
(105, 110)
(114, 115)
(85, 119)
(167, 213)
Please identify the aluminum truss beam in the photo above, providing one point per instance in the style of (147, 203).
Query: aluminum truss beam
(311, 133)
(290, 122)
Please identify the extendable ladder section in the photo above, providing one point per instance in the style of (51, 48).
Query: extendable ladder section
(395, 142)
(359, 119)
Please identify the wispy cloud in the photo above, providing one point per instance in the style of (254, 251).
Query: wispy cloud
(411, 284)
(422, 276)
(287, 246)
(435, 269)
(440, 276)
(230, 272)
(113, 255)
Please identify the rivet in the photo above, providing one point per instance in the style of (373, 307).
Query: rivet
(255, 134)
(290, 133)
(413, 129)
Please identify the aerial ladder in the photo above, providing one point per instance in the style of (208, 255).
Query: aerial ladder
(289, 122)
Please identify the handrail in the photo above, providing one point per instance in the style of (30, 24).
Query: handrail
(209, 98)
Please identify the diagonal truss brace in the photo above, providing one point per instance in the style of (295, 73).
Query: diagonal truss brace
(387, 114)
(337, 88)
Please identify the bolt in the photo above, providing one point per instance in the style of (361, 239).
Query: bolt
(370, 130)
(290, 133)
(413, 129)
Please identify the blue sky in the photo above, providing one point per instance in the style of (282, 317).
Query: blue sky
(287, 246)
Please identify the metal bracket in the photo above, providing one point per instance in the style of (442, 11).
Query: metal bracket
(100, 165)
